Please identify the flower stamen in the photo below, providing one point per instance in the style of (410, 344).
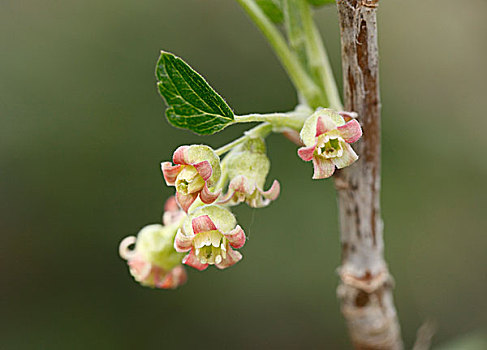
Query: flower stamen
(210, 247)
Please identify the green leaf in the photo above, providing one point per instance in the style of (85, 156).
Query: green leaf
(321, 2)
(192, 103)
(272, 9)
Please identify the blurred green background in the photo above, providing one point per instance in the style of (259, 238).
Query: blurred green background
(83, 133)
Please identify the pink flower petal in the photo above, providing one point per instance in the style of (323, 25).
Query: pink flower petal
(351, 131)
(208, 197)
(306, 153)
(174, 278)
(157, 275)
(204, 169)
(170, 172)
(185, 200)
(273, 192)
(320, 127)
(232, 258)
(241, 184)
(179, 156)
(227, 197)
(180, 276)
(348, 157)
(172, 212)
(236, 237)
(171, 204)
(323, 168)
(328, 123)
(139, 268)
(167, 283)
(183, 242)
(202, 223)
(192, 260)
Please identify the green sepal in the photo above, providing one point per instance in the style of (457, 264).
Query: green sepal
(248, 159)
(155, 243)
(192, 102)
(272, 9)
(331, 117)
(221, 217)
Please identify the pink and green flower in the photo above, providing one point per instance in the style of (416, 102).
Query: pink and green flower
(327, 138)
(196, 170)
(153, 262)
(208, 236)
(247, 166)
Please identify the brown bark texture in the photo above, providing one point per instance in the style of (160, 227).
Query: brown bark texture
(365, 289)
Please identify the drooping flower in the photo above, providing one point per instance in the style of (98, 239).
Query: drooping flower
(327, 137)
(196, 170)
(153, 262)
(247, 166)
(208, 235)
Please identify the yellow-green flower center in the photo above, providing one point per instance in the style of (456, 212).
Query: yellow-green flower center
(189, 180)
(211, 247)
(329, 146)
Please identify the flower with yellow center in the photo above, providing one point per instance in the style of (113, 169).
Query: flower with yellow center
(196, 170)
(208, 235)
(327, 137)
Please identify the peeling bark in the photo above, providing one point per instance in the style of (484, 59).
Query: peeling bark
(366, 286)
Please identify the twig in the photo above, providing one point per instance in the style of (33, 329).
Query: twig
(366, 286)
(300, 78)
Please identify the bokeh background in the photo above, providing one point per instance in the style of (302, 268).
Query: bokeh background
(82, 134)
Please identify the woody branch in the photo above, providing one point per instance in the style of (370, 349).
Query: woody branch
(366, 286)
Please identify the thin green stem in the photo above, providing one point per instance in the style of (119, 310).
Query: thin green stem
(318, 58)
(295, 31)
(261, 130)
(301, 80)
(228, 147)
(293, 120)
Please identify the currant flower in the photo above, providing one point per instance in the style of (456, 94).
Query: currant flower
(154, 262)
(247, 166)
(327, 137)
(196, 169)
(208, 235)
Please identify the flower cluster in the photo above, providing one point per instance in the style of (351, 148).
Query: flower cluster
(198, 229)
